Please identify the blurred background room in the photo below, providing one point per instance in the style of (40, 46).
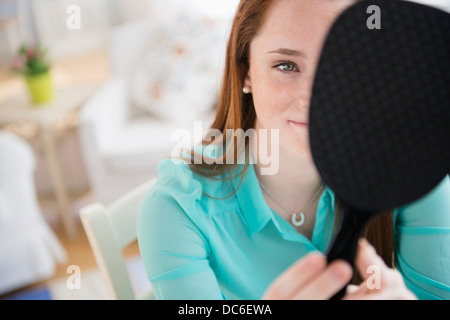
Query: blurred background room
(90, 94)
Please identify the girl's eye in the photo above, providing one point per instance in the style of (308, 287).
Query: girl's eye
(286, 67)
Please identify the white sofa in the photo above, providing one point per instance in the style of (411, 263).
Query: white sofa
(29, 250)
(165, 75)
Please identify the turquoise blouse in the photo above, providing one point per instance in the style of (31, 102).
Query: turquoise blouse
(197, 247)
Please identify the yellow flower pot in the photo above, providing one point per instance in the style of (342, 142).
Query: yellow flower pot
(40, 88)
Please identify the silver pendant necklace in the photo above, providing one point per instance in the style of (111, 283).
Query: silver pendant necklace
(294, 221)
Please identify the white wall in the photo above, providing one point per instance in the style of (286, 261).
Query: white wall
(51, 23)
(97, 17)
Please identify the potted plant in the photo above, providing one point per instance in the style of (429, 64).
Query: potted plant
(30, 62)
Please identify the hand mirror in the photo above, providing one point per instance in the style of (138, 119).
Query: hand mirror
(379, 121)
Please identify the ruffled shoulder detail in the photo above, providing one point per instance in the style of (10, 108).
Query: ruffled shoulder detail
(176, 180)
(193, 192)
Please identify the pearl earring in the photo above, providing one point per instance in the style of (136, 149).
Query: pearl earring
(246, 90)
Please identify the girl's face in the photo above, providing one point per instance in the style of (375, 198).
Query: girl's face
(283, 59)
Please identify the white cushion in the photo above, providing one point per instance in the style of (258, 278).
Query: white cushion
(179, 74)
(15, 156)
(143, 142)
(28, 247)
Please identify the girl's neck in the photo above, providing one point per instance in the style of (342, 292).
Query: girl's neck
(296, 176)
(295, 188)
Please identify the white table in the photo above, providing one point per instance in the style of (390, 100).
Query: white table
(18, 108)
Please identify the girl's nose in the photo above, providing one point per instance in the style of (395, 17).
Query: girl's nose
(304, 98)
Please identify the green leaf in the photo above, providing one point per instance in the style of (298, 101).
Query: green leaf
(37, 67)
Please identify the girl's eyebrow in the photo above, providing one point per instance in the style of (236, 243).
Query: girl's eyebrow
(290, 52)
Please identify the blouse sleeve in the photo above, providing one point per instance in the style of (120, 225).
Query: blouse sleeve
(422, 236)
(172, 244)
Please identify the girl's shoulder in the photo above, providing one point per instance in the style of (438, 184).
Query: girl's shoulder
(431, 210)
(177, 182)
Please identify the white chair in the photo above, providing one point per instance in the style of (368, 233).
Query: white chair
(110, 229)
(29, 249)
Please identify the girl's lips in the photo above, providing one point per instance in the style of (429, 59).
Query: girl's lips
(297, 123)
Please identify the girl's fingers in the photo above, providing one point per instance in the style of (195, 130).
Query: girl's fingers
(328, 283)
(373, 269)
(296, 277)
(368, 261)
(368, 264)
(351, 289)
(380, 281)
(386, 295)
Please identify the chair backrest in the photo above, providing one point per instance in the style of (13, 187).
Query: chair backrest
(109, 230)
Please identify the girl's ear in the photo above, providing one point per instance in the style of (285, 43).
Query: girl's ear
(245, 73)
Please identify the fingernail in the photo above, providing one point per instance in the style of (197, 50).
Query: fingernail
(314, 261)
(341, 271)
(367, 253)
(363, 242)
(366, 245)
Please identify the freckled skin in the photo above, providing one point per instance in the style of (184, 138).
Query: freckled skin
(279, 97)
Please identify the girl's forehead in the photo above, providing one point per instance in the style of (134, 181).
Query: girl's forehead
(288, 16)
(298, 24)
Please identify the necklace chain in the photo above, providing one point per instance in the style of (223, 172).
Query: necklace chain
(292, 213)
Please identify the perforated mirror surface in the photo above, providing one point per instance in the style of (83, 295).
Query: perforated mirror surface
(380, 108)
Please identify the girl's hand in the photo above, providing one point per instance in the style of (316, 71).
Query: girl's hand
(311, 278)
(379, 281)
